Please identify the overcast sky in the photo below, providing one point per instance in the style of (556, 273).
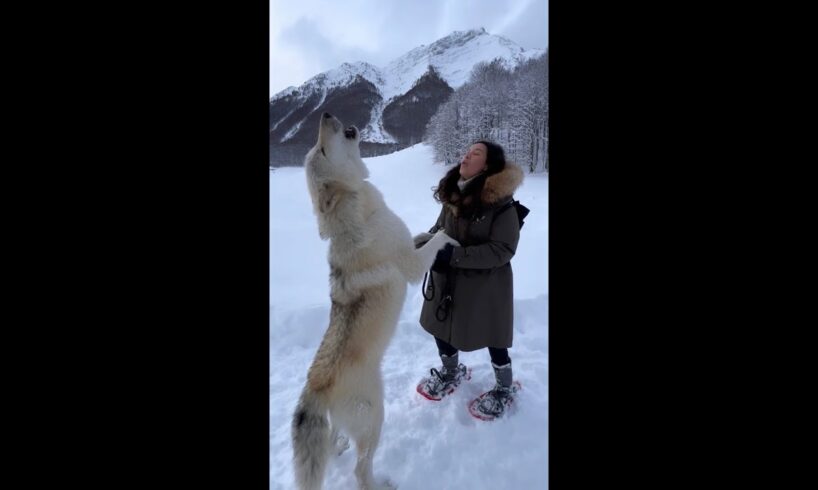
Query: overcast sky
(308, 37)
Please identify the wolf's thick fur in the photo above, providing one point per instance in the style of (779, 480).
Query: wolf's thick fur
(371, 257)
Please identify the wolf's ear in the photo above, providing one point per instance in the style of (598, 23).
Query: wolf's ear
(328, 196)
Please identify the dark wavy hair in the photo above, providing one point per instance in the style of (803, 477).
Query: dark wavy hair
(495, 161)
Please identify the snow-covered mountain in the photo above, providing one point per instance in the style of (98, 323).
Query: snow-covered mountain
(391, 104)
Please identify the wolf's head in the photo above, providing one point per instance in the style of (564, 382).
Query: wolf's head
(336, 156)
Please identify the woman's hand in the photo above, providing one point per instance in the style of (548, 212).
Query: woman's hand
(444, 256)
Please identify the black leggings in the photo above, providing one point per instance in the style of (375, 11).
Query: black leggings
(498, 356)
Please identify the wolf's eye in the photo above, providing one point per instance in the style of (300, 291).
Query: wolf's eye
(322, 151)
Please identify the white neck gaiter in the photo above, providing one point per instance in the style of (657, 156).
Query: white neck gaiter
(463, 183)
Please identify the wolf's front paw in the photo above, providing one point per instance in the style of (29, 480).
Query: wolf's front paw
(421, 238)
(441, 235)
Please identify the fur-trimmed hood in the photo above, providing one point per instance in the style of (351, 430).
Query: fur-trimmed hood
(496, 189)
(502, 184)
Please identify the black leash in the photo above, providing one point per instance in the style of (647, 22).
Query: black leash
(445, 304)
(431, 287)
(442, 311)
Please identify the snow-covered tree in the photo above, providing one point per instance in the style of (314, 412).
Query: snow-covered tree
(508, 107)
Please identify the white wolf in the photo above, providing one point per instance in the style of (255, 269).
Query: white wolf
(371, 257)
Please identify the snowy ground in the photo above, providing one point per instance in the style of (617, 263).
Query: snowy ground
(424, 444)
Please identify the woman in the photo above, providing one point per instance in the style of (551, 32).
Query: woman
(469, 296)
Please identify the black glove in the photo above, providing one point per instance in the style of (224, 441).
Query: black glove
(444, 256)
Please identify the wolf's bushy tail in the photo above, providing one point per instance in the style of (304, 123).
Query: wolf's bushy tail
(310, 433)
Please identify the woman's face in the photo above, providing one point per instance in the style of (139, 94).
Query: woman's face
(474, 162)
